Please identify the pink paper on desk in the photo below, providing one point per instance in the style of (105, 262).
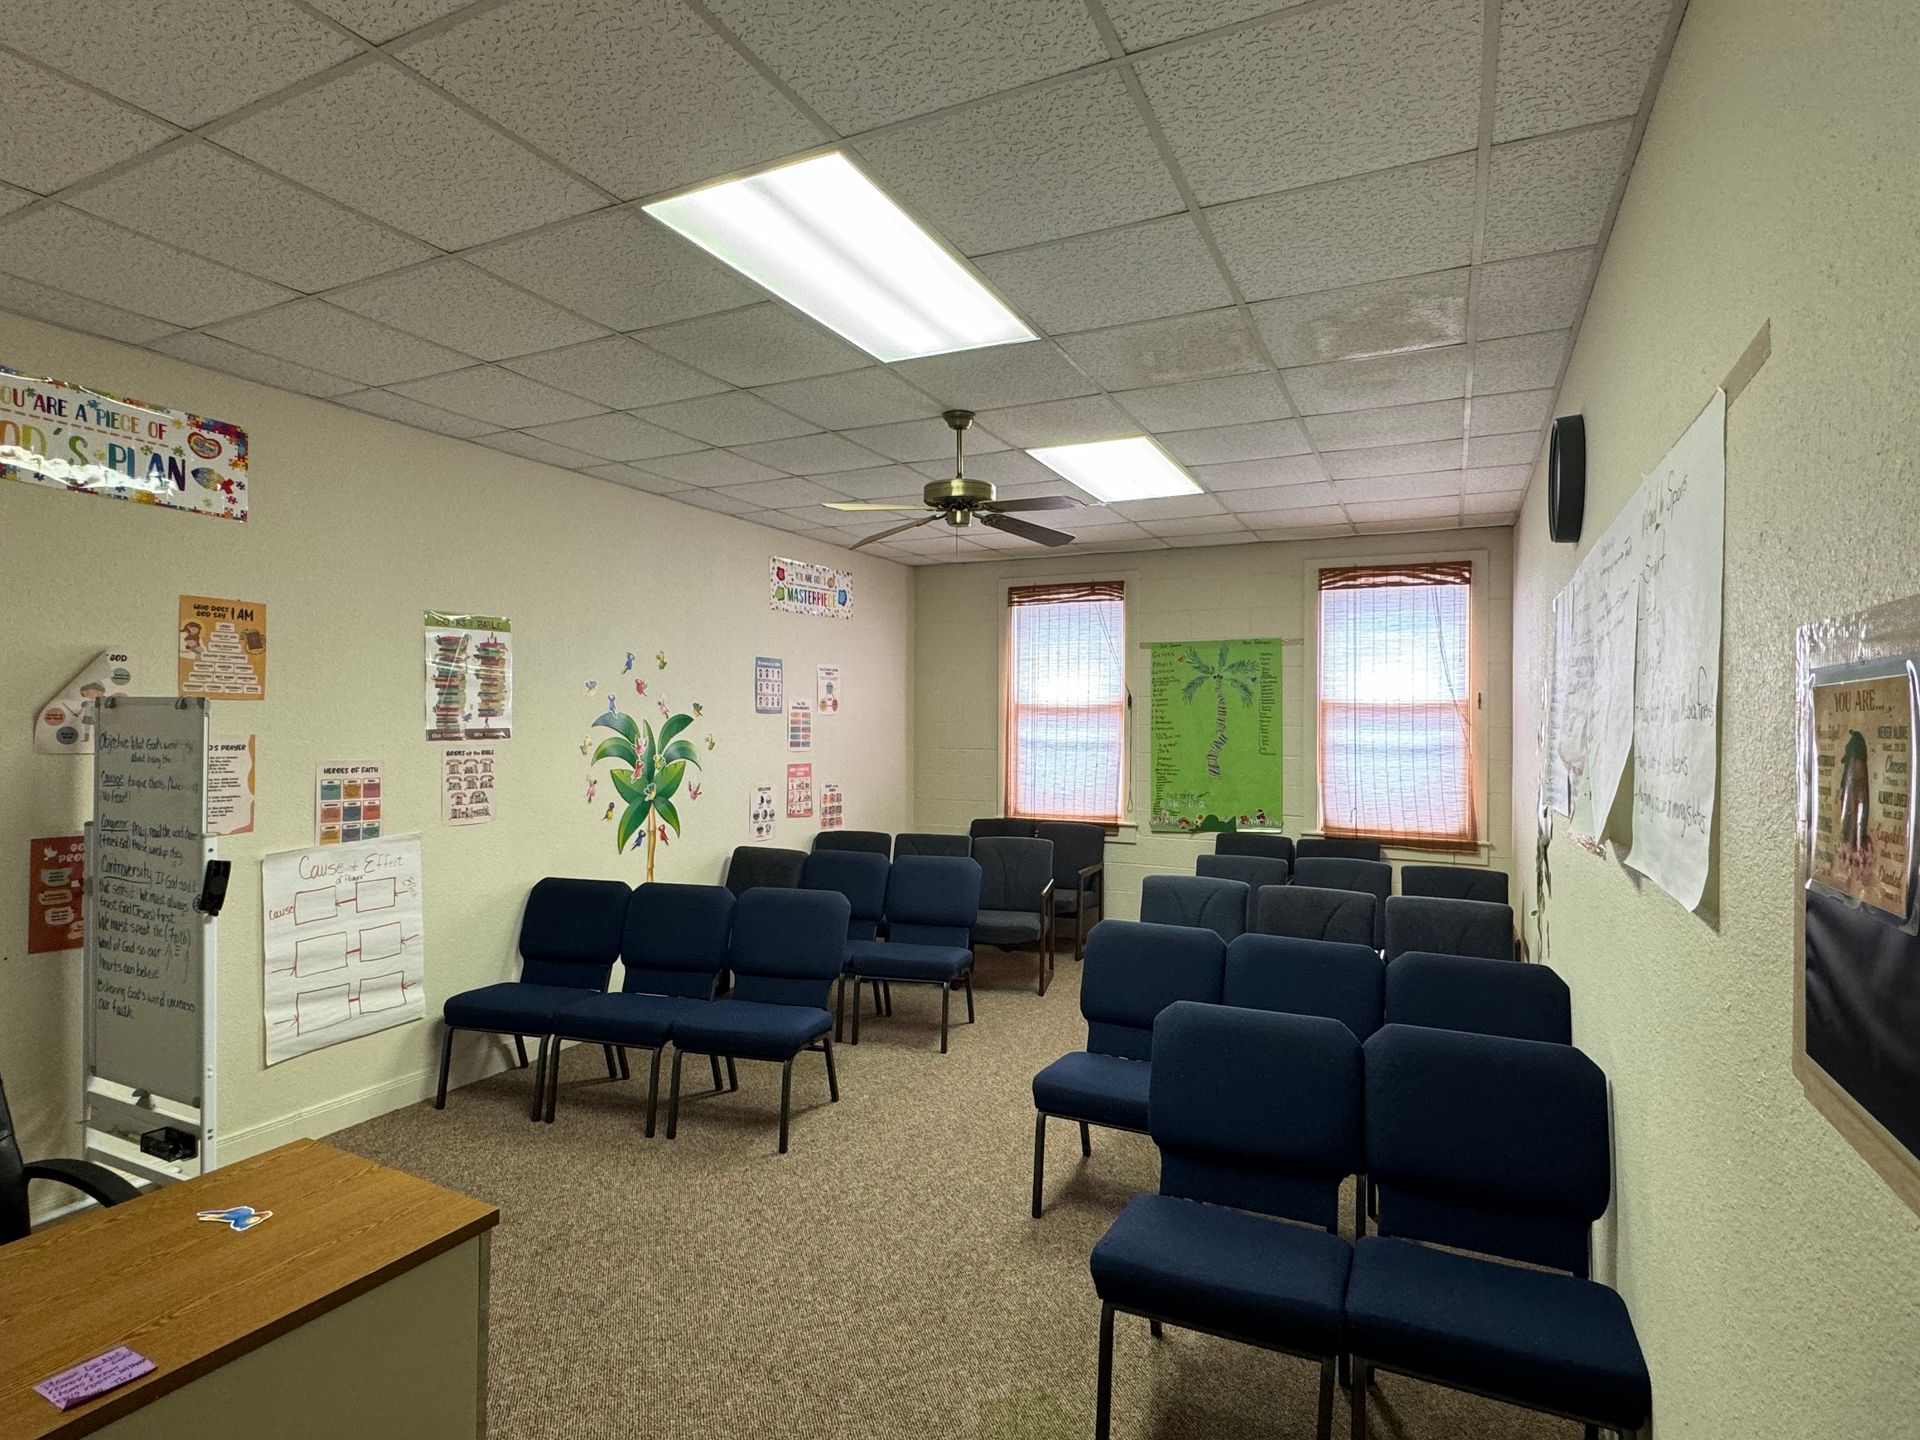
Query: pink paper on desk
(93, 1377)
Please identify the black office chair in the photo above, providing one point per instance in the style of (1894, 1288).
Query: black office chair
(94, 1181)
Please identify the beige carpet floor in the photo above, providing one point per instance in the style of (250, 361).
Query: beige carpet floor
(883, 1280)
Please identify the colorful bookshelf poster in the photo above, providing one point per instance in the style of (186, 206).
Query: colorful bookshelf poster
(56, 433)
(346, 802)
(466, 784)
(56, 883)
(769, 695)
(231, 766)
(803, 589)
(469, 677)
(760, 813)
(831, 810)
(64, 725)
(829, 693)
(223, 648)
(800, 725)
(799, 792)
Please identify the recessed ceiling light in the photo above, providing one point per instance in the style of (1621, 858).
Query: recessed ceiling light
(825, 239)
(1113, 470)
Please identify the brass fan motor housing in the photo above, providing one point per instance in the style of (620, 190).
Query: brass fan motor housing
(956, 497)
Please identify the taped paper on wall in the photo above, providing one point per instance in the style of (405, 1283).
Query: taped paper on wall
(223, 648)
(469, 677)
(800, 725)
(56, 894)
(231, 766)
(799, 792)
(347, 802)
(466, 784)
(832, 807)
(760, 813)
(769, 694)
(64, 725)
(829, 696)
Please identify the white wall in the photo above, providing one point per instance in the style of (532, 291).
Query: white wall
(359, 525)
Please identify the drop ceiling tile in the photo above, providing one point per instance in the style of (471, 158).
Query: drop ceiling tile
(1371, 384)
(785, 493)
(1301, 100)
(1487, 451)
(1381, 489)
(620, 268)
(716, 500)
(1494, 505)
(922, 440)
(1170, 507)
(863, 63)
(497, 396)
(1091, 516)
(54, 245)
(1306, 532)
(616, 371)
(1296, 517)
(880, 482)
(12, 199)
(821, 517)
(218, 354)
(711, 467)
(1525, 362)
(53, 133)
(1198, 404)
(1258, 474)
(1195, 525)
(377, 140)
(874, 396)
(1394, 459)
(384, 20)
(188, 68)
(998, 468)
(1061, 422)
(1572, 62)
(347, 344)
(637, 98)
(998, 376)
(760, 345)
(1109, 547)
(809, 454)
(1166, 352)
(735, 417)
(530, 447)
(1541, 292)
(1386, 511)
(1392, 425)
(1511, 413)
(452, 303)
(1138, 272)
(634, 478)
(1154, 22)
(1225, 443)
(1028, 167)
(421, 416)
(1388, 317)
(1553, 193)
(1506, 477)
(76, 312)
(616, 437)
(1259, 504)
(1375, 227)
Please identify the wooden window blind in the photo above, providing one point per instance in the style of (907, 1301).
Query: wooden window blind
(1066, 701)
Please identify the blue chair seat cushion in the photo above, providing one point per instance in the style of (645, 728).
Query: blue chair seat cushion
(749, 1028)
(1100, 1089)
(1006, 927)
(1251, 1277)
(1533, 1336)
(886, 960)
(511, 1008)
(621, 1019)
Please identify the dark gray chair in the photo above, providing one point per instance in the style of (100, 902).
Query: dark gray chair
(1481, 997)
(1002, 828)
(1329, 848)
(1199, 901)
(1268, 844)
(753, 865)
(1253, 871)
(1372, 877)
(921, 844)
(1449, 927)
(1079, 873)
(1309, 914)
(95, 1181)
(866, 842)
(1454, 882)
(1016, 897)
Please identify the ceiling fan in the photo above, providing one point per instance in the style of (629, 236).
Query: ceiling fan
(959, 500)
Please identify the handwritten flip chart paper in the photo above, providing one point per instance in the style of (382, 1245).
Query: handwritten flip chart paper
(64, 725)
(231, 765)
(56, 894)
(1677, 672)
(1609, 579)
(1559, 781)
(223, 648)
(345, 943)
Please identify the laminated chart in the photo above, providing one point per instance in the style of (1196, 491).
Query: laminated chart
(345, 943)
(223, 648)
(831, 807)
(469, 677)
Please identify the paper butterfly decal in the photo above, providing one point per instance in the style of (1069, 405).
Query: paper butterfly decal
(663, 836)
(629, 665)
(698, 710)
(611, 707)
(237, 1217)
(586, 745)
(639, 687)
(693, 792)
(661, 657)
(663, 707)
(709, 742)
(592, 785)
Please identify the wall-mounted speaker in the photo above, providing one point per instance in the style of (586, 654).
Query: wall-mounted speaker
(1566, 479)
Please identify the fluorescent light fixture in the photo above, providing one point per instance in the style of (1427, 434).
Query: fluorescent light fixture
(825, 239)
(1111, 470)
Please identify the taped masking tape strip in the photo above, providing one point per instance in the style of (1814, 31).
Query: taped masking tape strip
(1749, 363)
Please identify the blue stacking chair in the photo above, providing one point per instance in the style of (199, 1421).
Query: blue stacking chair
(923, 843)
(569, 939)
(1367, 877)
(1253, 871)
(870, 842)
(1215, 904)
(1268, 843)
(1482, 997)
(1257, 1118)
(932, 902)
(1307, 977)
(1496, 1146)
(1133, 971)
(756, 865)
(1449, 927)
(788, 948)
(1307, 913)
(861, 876)
(1454, 882)
(673, 947)
(1335, 848)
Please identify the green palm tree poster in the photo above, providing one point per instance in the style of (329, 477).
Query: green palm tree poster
(1216, 736)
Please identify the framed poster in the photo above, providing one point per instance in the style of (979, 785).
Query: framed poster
(1861, 846)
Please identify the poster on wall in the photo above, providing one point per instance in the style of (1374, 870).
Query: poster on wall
(231, 766)
(56, 886)
(345, 943)
(799, 792)
(53, 432)
(64, 725)
(1861, 847)
(223, 648)
(829, 694)
(769, 694)
(1561, 698)
(1216, 727)
(760, 813)
(1609, 610)
(466, 784)
(469, 677)
(832, 810)
(346, 802)
(803, 589)
(800, 725)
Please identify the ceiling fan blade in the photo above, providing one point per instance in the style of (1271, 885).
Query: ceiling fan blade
(1039, 534)
(910, 525)
(1038, 502)
(863, 505)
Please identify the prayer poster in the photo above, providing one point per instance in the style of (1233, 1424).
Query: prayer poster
(799, 792)
(769, 695)
(1216, 735)
(466, 784)
(469, 677)
(828, 698)
(800, 725)
(760, 813)
(832, 815)
(64, 725)
(804, 589)
(56, 884)
(223, 648)
(1862, 842)
(347, 802)
(231, 765)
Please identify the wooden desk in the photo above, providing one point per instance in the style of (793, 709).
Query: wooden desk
(358, 1309)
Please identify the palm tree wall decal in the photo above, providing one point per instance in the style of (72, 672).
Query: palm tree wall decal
(657, 766)
(1237, 676)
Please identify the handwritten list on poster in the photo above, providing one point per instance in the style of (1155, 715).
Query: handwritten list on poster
(1609, 580)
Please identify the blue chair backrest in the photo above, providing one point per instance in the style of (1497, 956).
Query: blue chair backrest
(674, 941)
(1454, 882)
(1339, 849)
(1134, 970)
(570, 933)
(859, 875)
(871, 842)
(1216, 905)
(1482, 997)
(912, 843)
(754, 865)
(995, 825)
(933, 900)
(1253, 871)
(1307, 977)
(1013, 872)
(1449, 927)
(1256, 1110)
(1368, 877)
(1270, 844)
(1489, 1144)
(788, 946)
(1310, 914)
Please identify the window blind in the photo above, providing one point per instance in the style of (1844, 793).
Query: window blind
(1395, 707)
(1066, 701)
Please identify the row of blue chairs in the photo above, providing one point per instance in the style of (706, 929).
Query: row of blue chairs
(1390, 923)
(1481, 1144)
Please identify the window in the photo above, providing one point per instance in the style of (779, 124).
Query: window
(1066, 720)
(1396, 713)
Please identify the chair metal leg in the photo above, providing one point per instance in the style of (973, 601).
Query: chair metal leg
(833, 1077)
(1590, 1432)
(733, 1076)
(857, 982)
(520, 1048)
(1086, 1139)
(653, 1091)
(551, 1063)
(1103, 1395)
(1358, 1399)
(886, 993)
(969, 982)
(1324, 1430)
(840, 1008)
(1040, 954)
(540, 1081)
(946, 1000)
(673, 1094)
(714, 1062)
(446, 1060)
(1039, 1157)
(626, 1068)
(1153, 1329)
(786, 1100)
(613, 1063)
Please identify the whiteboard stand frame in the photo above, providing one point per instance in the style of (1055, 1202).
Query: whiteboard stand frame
(114, 1116)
